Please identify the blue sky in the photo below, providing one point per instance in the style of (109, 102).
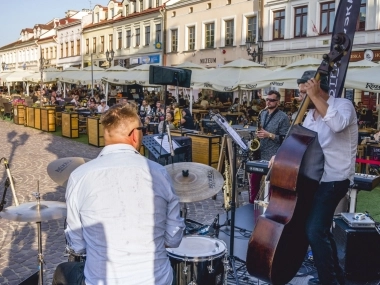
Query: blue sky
(21, 14)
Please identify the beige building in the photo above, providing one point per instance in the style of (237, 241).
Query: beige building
(208, 33)
(130, 29)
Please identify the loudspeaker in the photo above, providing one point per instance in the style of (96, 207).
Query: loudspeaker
(31, 280)
(169, 76)
(358, 250)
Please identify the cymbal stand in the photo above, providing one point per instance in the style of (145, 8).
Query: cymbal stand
(6, 165)
(40, 256)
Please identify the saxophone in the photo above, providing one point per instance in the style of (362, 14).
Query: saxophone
(254, 144)
(227, 187)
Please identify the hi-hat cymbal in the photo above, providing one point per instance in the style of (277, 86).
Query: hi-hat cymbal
(31, 212)
(59, 170)
(202, 182)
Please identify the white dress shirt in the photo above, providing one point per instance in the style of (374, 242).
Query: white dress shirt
(102, 109)
(121, 209)
(338, 137)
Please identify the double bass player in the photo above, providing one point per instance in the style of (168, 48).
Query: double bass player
(334, 119)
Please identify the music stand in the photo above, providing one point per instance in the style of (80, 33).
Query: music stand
(237, 141)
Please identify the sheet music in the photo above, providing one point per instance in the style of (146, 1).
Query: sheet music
(165, 143)
(222, 122)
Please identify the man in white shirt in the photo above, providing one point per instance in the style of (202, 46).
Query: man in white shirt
(122, 211)
(103, 106)
(334, 119)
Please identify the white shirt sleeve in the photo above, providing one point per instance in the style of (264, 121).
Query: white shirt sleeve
(339, 117)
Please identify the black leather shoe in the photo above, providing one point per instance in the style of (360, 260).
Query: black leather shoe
(314, 281)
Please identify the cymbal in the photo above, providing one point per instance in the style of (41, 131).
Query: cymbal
(31, 212)
(59, 170)
(202, 182)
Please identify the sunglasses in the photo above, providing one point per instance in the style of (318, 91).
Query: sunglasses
(271, 100)
(138, 128)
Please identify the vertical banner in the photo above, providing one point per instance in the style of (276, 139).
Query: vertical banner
(345, 22)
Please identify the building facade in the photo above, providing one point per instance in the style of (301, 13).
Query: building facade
(209, 33)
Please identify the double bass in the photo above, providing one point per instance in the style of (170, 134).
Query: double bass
(278, 244)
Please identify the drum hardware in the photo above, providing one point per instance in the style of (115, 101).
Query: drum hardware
(32, 212)
(10, 179)
(60, 169)
(199, 261)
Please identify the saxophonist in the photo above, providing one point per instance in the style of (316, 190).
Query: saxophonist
(272, 128)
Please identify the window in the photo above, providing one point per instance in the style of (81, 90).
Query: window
(360, 26)
(191, 35)
(46, 53)
(72, 48)
(300, 22)
(61, 51)
(128, 43)
(174, 40)
(210, 32)
(157, 3)
(208, 6)
(327, 18)
(51, 52)
(147, 35)
(141, 5)
(191, 10)
(137, 37)
(87, 46)
(158, 32)
(55, 52)
(278, 24)
(251, 29)
(119, 40)
(78, 47)
(229, 32)
(93, 45)
(126, 10)
(67, 49)
(97, 18)
(150, 4)
(110, 47)
(112, 12)
(102, 44)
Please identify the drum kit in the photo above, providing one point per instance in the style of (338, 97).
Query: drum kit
(199, 260)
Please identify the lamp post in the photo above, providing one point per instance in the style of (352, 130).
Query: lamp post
(43, 62)
(92, 76)
(109, 56)
(254, 54)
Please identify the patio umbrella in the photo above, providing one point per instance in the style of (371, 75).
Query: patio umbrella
(81, 76)
(49, 74)
(366, 79)
(240, 74)
(287, 76)
(19, 75)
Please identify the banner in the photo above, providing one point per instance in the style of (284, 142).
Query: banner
(345, 22)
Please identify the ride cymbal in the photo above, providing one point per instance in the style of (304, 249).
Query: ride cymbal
(32, 212)
(59, 170)
(194, 181)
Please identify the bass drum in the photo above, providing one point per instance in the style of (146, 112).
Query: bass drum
(199, 260)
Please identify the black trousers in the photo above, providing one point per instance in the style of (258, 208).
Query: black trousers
(69, 273)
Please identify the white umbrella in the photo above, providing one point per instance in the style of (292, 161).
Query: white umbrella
(366, 79)
(81, 76)
(137, 75)
(18, 75)
(49, 74)
(240, 74)
(287, 77)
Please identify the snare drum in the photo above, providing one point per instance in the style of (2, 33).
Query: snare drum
(199, 260)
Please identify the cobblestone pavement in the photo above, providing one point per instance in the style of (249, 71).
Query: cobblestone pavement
(29, 151)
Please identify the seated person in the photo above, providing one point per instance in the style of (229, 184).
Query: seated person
(169, 120)
(187, 121)
(204, 103)
(103, 106)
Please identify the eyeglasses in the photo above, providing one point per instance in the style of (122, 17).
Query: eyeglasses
(138, 128)
(271, 100)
